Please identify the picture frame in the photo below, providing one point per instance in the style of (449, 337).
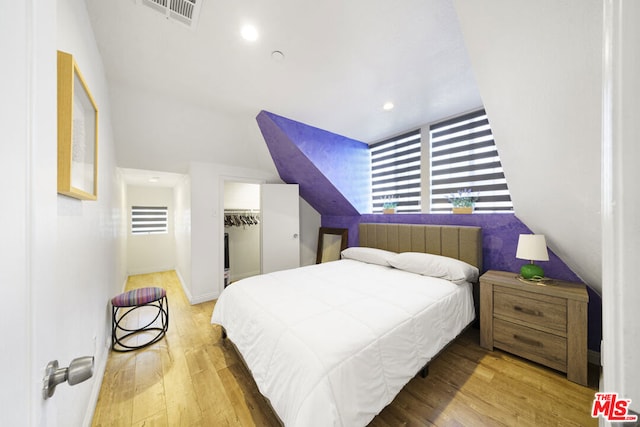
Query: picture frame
(77, 133)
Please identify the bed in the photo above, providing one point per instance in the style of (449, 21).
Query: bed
(332, 344)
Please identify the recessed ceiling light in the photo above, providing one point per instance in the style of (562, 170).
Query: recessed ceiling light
(249, 33)
(154, 179)
(387, 106)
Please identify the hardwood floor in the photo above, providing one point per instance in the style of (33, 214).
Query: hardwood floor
(193, 378)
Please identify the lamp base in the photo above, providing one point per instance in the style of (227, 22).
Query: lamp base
(530, 271)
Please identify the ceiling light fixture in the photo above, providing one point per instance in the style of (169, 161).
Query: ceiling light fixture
(388, 106)
(249, 33)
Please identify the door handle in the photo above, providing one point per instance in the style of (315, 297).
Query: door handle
(79, 370)
(527, 311)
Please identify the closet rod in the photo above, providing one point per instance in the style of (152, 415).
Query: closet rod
(242, 211)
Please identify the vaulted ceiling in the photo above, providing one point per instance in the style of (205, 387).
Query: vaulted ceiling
(179, 94)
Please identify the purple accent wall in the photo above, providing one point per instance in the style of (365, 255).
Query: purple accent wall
(334, 177)
(499, 242)
(333, 171)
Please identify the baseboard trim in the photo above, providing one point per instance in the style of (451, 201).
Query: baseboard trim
(184, 288)
(203, 298)
(137, 271)
(97, 385)
(197, 299)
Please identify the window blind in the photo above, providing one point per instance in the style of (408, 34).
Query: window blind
(395, 172)
(149, 219)
(464, 156)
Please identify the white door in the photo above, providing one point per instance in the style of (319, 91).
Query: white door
(279, 204)
(30, 313)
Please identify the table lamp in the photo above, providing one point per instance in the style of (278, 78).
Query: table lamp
(532, 247)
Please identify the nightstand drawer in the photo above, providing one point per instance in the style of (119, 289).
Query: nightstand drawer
(541, 347)
(545, 323)
(530, 309)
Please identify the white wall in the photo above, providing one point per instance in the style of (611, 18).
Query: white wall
(207, 227)
(62, 253)
(621, 201)
(90, 234)
(563, 100)
(182, 224)
(538, 68)
(241, 195)
(218, 134)
(244, 251)
(310, 221)
(147, 253)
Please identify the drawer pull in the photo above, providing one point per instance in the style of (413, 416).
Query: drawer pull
(527, 311)
(528, 341)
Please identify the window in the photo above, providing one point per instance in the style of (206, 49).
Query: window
(149, 220)
(464, 156)
(395, 172)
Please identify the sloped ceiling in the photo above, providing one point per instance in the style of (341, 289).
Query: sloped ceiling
(333, 171)
(538, 67)
(179, 95)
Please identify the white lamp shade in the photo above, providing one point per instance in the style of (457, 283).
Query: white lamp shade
(532, 247)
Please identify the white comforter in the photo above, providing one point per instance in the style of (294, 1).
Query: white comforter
(332, 344)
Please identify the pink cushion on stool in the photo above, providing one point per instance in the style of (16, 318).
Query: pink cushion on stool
(137, 297)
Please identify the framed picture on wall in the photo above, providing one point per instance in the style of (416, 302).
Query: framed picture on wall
(77, 133)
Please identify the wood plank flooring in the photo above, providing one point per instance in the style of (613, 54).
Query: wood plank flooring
(193, 378)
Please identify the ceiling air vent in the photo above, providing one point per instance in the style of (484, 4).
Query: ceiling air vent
(185, 12)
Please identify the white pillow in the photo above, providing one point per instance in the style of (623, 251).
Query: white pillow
(368, 255)
(431, 265)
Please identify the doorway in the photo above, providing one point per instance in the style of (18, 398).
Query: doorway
(242, 221)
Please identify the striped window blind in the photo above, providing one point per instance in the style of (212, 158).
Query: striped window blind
(149, 220)
(395, 172)
(464, 156)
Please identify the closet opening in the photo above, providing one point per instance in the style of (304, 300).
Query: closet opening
(242, 222)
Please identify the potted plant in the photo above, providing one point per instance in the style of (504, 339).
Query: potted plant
(463, 201)
(389, 205)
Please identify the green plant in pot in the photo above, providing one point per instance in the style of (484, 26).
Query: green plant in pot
(389, 205)
(463, 201)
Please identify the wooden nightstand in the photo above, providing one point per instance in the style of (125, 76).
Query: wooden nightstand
(545, 323)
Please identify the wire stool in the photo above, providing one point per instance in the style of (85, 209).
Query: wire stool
(130, 301)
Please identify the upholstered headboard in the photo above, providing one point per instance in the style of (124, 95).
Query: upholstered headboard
(463, 243)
